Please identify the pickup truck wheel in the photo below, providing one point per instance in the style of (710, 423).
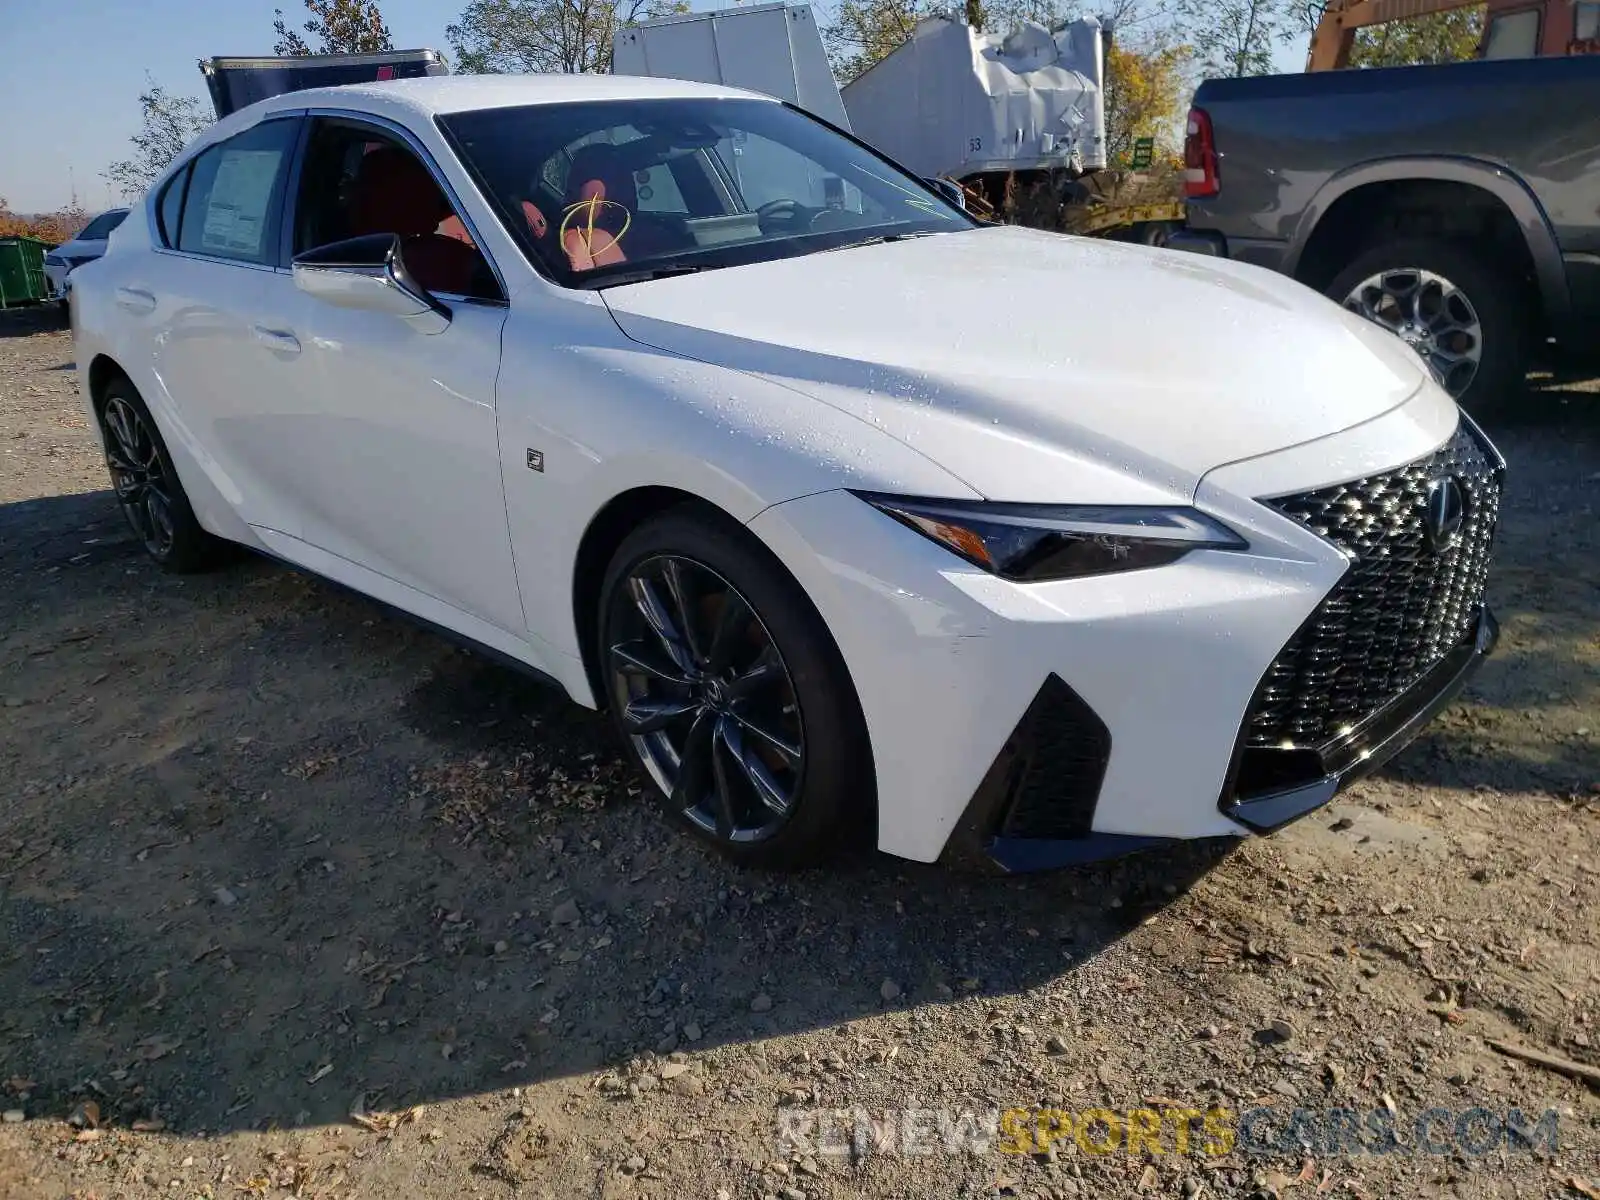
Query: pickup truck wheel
(1464, 316)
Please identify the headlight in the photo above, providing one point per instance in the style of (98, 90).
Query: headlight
(1032, 542)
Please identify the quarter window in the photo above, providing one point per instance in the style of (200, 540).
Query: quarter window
(235, 192)
(171, 208)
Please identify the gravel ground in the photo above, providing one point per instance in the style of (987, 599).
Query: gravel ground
(296, 899)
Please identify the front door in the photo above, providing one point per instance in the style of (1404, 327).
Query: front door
(396, 463)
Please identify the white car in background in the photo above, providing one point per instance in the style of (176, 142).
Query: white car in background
(88, 245)
(860, 517)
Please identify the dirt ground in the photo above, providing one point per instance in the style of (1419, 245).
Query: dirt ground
(296, 899)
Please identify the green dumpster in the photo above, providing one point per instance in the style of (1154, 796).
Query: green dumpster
(22, 278)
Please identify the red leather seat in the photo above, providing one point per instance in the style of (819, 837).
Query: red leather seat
(598, 216)
(602, 223)
(394, 193)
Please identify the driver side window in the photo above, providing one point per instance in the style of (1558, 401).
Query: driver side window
(358, 180)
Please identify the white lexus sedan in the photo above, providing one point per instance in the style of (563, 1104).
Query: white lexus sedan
(862, 519)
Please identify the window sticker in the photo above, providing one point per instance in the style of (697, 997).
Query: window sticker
(236, 215)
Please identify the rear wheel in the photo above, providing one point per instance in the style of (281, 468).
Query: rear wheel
(1465, 316)
(731, 694)
(147, 486)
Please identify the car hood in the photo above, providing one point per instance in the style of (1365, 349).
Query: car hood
(1039, 367)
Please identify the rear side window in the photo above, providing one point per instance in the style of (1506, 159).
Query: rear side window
(100, 228)
(172, 207)
(235, 195)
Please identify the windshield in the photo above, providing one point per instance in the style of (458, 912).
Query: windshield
(619, 190)
(101, 227)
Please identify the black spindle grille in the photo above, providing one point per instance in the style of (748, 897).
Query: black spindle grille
(1404, 604)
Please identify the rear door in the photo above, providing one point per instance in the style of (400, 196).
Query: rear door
(218, 249)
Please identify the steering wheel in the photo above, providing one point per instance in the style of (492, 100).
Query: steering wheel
(788, 212)
(833, 219)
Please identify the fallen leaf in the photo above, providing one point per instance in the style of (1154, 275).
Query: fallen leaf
(381, 1122)
(157, 1046)
(1578, 1184)
(321, 1072)
(1148, 1180)
(153, 1125)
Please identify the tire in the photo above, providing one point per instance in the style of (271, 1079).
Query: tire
(142, 474)
(1492, 294)
(693, 560)
(1153, 233)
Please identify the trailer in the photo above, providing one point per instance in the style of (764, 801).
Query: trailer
(237, 82)
(771, 48)
(1016, 122)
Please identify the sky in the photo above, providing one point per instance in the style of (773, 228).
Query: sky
(73, 70)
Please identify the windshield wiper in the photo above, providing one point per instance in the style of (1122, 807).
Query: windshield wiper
(640, 275)
(885, 237)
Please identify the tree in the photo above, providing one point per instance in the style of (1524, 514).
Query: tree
(1437, 38)
(865, 32)
(1306, 15)
(54, 228)
(1145, 91)
(343, 27)
(1232, 38)
(170, 124)
(1414, 41)
(569, 36)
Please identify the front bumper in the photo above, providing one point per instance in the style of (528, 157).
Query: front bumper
(1147, 676)
(1198, 241)
(1374, 743)
(1269, 253)
(988, 838)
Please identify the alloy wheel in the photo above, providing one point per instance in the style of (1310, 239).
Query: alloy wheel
(138, 475)
(1431, 315)
(706, 698)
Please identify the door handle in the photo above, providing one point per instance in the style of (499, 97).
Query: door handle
(279, 341)
(136, 300)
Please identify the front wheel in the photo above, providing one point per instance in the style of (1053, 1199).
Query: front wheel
(1463, 314)
(731, 694)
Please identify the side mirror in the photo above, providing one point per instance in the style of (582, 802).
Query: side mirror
(369, 273)
(950, 190)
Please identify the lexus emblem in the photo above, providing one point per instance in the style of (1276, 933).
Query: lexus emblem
(1446, 510)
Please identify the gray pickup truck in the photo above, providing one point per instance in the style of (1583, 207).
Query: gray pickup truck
(1457, 205)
